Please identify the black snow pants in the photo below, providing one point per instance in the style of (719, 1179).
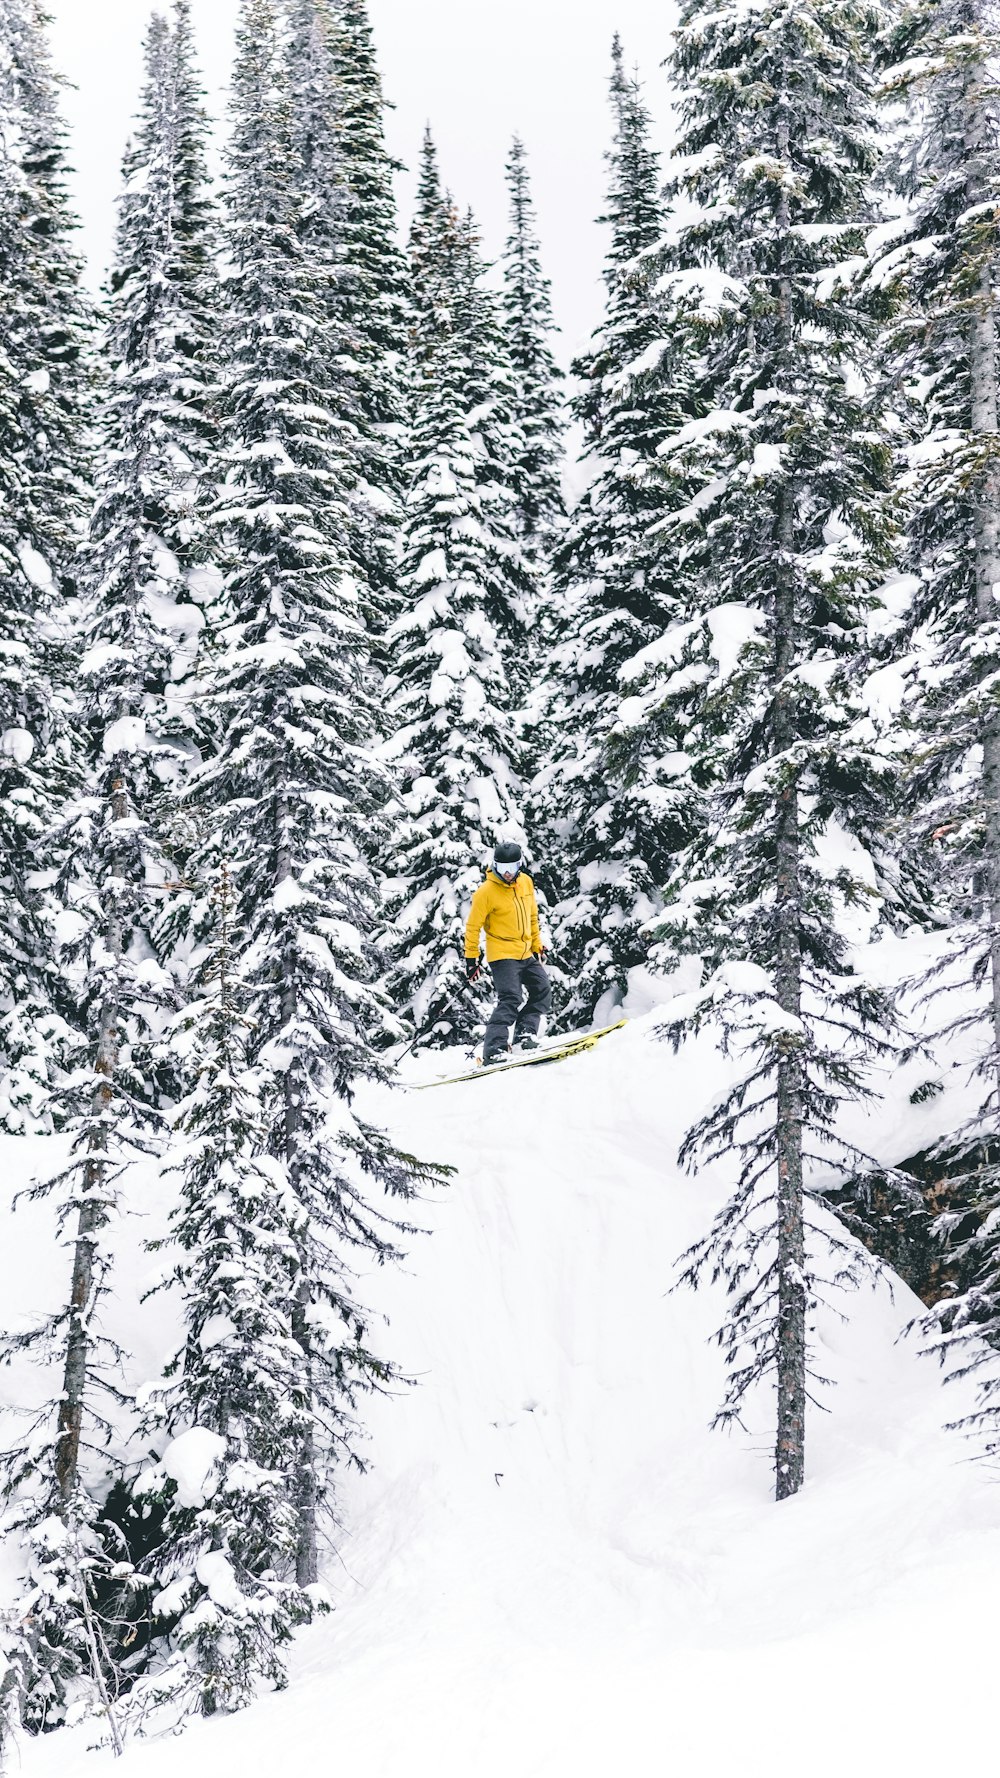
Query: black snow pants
(512, 976)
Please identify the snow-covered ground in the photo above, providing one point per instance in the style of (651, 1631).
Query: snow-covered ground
(554, 1568)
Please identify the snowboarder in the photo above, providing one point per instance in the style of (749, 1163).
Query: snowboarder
(505, 905)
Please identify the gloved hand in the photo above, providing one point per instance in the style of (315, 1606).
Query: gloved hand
(542, 953)
(473, 968)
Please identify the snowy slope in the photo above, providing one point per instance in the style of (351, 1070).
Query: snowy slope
(554, 1567)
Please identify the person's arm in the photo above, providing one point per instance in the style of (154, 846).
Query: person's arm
(476, 921)
(536, 936)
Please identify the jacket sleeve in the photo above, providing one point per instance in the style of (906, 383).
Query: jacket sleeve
(536, 936)
(476, 921)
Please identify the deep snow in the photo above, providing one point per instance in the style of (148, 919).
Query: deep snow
(554, 1567)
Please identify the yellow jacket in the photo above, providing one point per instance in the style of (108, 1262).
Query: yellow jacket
(509, 913)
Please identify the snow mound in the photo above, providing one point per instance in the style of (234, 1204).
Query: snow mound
(193, 1461)
(17, 744)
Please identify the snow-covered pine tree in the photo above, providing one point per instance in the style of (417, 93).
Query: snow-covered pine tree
(294, 795)
(430, 246)
(45, 386)
(152, 427)
(48, 321)
(607, 848)
(539, 408)
(231, 1412)
(145, 568)
(337, 111)
(54, 1480)
(458, 650)
(779, 130)
(192, 271)
(498, 437)
(943, 258)
(374, 290)
(653, 755)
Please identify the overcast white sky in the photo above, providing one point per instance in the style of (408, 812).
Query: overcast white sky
(477, 69)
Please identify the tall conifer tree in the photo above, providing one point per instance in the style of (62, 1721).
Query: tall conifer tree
(293, 796)
(317, 98)
(152, 427)
(222, 1599)
(943, 263)
(458, 646)
(46, 370)
(48, 320)
(608, 848)
(144, 534)
(145, 570)
(375, 297)
(779, 129)
(527, 306)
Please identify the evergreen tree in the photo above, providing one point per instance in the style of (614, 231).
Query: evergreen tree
(157, 328)
(316, 98)
(152, 433)
(293, 795)
(374, 289)
(944, 351)
(658, 768)
(145, 569)
(430, 248)
(527, 307)
(459, 647)
(45, 337)
(795, 469)
(610, 847)
(45, 331)
(47, 318)
(232, 1398)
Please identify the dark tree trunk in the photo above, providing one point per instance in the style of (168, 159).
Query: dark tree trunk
(790, 1450)
(790, 1443)
(92, 1213)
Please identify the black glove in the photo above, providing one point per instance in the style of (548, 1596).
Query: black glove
(542, 954)
(472, 968)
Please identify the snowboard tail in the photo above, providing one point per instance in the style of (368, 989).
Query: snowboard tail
(556, 1051)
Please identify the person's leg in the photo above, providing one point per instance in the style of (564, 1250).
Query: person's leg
(539, 1002)
(507, 981)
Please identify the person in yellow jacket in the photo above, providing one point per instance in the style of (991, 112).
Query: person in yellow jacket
(505, 908)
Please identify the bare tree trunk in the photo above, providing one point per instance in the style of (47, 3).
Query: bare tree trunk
(790, 1448)
(790, 1444)
(92, 1213)
(986, 520)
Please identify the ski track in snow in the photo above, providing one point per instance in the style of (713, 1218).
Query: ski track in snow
(554, 1567)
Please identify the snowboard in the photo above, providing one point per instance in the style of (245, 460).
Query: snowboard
(555, 1050)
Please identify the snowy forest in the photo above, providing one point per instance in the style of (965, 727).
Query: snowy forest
(298, 622)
